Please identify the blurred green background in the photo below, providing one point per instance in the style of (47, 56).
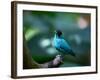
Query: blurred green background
(39, 27)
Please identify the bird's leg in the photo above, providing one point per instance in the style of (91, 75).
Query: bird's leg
(62, 58)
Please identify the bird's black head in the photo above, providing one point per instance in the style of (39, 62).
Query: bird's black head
(59, 33)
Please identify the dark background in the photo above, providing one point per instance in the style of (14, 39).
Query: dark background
(39, 27)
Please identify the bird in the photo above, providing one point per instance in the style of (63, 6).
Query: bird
(61, 44)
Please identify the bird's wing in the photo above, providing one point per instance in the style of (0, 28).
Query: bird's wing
(64, 46)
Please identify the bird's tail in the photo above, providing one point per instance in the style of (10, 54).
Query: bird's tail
(72, 53)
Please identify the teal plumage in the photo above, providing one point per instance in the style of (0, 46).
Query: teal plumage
(61, 45)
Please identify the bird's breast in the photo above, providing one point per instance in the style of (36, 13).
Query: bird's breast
(56, 43)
